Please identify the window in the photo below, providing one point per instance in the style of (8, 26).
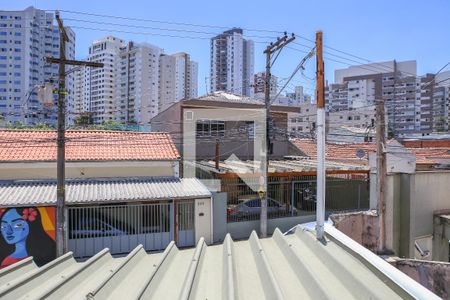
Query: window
(210, 128)
(203, 128)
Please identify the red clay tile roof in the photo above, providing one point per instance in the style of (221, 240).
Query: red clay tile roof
(431, 155)
(345, 153)
(86, 145)
(427, 144)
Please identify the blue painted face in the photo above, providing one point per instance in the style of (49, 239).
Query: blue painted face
(14, 229)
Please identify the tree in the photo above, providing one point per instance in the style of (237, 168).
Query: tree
(440, 124)
(84, 119)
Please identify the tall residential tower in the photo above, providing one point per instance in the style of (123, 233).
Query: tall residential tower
(178, 79)
(232, 63)
(26, 37)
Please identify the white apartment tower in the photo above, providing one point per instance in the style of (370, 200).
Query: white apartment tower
(259, 83)
(178, 79)
(26, 37)
(80, 102)
(232, 63)
(408, 107)
(137, 83)
(100, 83)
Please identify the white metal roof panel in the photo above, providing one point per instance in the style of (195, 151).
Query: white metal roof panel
(293, 266)
(38, 193)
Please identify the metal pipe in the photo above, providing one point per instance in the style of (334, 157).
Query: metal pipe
(320, 209)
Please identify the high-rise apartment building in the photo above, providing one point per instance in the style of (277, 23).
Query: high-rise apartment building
(178, 79)
(259, 83)
(232, 63)
(409, 99)
(26, 37)
(100, 83)
(298, 95)
(441, 101)
(80, 103)
(137, 84)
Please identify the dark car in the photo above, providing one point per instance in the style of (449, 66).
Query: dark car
(251, 208)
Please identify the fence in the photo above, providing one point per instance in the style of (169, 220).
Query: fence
(294, 197)
(119, 227)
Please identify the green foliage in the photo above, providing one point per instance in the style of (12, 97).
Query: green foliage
(22, 126)
(83, 119)
(440, 124)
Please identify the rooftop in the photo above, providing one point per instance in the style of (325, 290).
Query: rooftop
(293, 164)
(344, 153)
(86, 145)
(224, 99)
(432, 155)
(108, 190)
(295, 266)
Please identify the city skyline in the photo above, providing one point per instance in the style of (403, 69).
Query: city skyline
(366, 41)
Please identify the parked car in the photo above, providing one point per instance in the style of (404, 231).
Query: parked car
(93, 227)
(252, 208)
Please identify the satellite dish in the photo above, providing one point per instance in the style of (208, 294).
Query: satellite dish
(360, 153)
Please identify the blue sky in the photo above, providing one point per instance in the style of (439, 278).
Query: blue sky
(374, 30)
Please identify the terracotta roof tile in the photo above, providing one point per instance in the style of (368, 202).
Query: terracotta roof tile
(87, 145)
(430, 155)
(427, 144)
(345, 153)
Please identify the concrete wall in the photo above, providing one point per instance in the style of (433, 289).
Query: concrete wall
(220, 216)
(432, 275)
(411, 202)
(441, 237)
(47, 170)
(363, 227)
(203, 220)
(242, 230)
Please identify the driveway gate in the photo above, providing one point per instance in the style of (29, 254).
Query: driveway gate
(120, 227)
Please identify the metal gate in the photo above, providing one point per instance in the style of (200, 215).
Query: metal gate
(120, 228)
(185, 223)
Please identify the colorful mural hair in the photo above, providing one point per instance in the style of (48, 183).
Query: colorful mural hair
(27, 231)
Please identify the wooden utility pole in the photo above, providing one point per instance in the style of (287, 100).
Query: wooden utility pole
(270, 49)
(381, 171)
(217, 155)
(321, 176)
(61, 244)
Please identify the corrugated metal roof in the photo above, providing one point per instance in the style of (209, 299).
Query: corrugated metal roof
(294, 266)
(287, 165)
(20, 193)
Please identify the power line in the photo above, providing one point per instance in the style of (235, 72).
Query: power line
(163, 22)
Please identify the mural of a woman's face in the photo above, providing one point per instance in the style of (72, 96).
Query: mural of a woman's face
(14, 229)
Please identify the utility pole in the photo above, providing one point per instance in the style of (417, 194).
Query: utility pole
(381, 171)
(61, 245)
(270, 49)
(217, 154)
(321, 172)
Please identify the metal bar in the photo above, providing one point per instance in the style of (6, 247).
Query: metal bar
(54, 60)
